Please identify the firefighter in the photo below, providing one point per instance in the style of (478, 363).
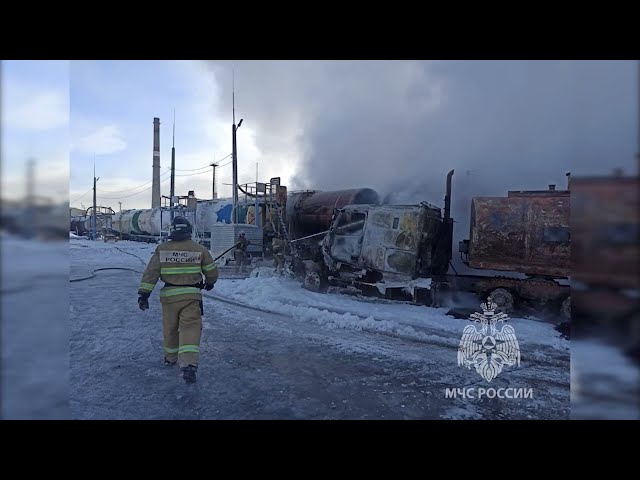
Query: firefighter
(241, 252)
(180, 264)
(278, 245)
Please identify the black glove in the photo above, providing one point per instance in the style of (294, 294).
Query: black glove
(143, 301)
(208, 286)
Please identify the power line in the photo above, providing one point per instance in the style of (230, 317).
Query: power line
(135, 188)
(204, 170)
(200, 173)
(191, 169)
(131, 195)
(208, 166)
(191, 174)
(74, 201)
(163, 181)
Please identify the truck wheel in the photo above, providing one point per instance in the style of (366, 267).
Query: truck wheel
(565, 309)
(313, 282)
(503, 298)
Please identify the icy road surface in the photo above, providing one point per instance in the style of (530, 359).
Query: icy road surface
(299, 355)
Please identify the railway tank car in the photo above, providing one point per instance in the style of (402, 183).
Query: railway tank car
(311, 212)
(149, 222)
(213, 212)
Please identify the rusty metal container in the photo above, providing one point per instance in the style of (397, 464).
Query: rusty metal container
(525, 232)
(310, 212)
(605, 231)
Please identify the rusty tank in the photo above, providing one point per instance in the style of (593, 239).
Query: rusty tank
(525, 232)
(311, 212)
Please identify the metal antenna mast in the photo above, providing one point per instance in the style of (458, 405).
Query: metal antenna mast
(173, 167)
(235, 149)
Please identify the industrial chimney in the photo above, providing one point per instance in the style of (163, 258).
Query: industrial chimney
(155, 190)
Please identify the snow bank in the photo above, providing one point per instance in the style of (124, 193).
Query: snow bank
(284, 295)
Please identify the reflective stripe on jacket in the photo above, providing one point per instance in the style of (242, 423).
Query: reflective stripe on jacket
(181, 264)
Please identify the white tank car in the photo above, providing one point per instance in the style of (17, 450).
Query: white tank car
(208, 215)
(149, 221)
(116, 222)
(121, 222)
(213, 212)
(127, 222)
(141, 222)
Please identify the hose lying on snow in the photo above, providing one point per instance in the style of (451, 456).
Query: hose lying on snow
(93, 274)
(132, 254)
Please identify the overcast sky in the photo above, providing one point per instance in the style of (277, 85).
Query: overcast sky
(395, 126)
(400, 126)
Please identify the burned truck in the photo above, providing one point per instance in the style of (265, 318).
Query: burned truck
(519, 245)
(525, 233)
(395, 251)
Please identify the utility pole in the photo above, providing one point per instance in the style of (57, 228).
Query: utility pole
(234, 152)
(95, 217)
(213, 187)
(173, 166)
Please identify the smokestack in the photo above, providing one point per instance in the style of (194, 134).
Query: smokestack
(155, 190)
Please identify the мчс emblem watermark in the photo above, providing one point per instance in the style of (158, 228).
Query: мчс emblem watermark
(488, 350)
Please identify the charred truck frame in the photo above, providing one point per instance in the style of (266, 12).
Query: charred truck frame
(396, 251)
(404, 251)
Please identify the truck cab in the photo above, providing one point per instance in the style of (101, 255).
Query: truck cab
(386, 239)
(391, 250)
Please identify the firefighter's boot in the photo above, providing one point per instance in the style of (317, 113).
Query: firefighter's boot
(189, 373)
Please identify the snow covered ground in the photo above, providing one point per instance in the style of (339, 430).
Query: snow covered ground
(271, 349)
(35, 329)
(283, 295)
